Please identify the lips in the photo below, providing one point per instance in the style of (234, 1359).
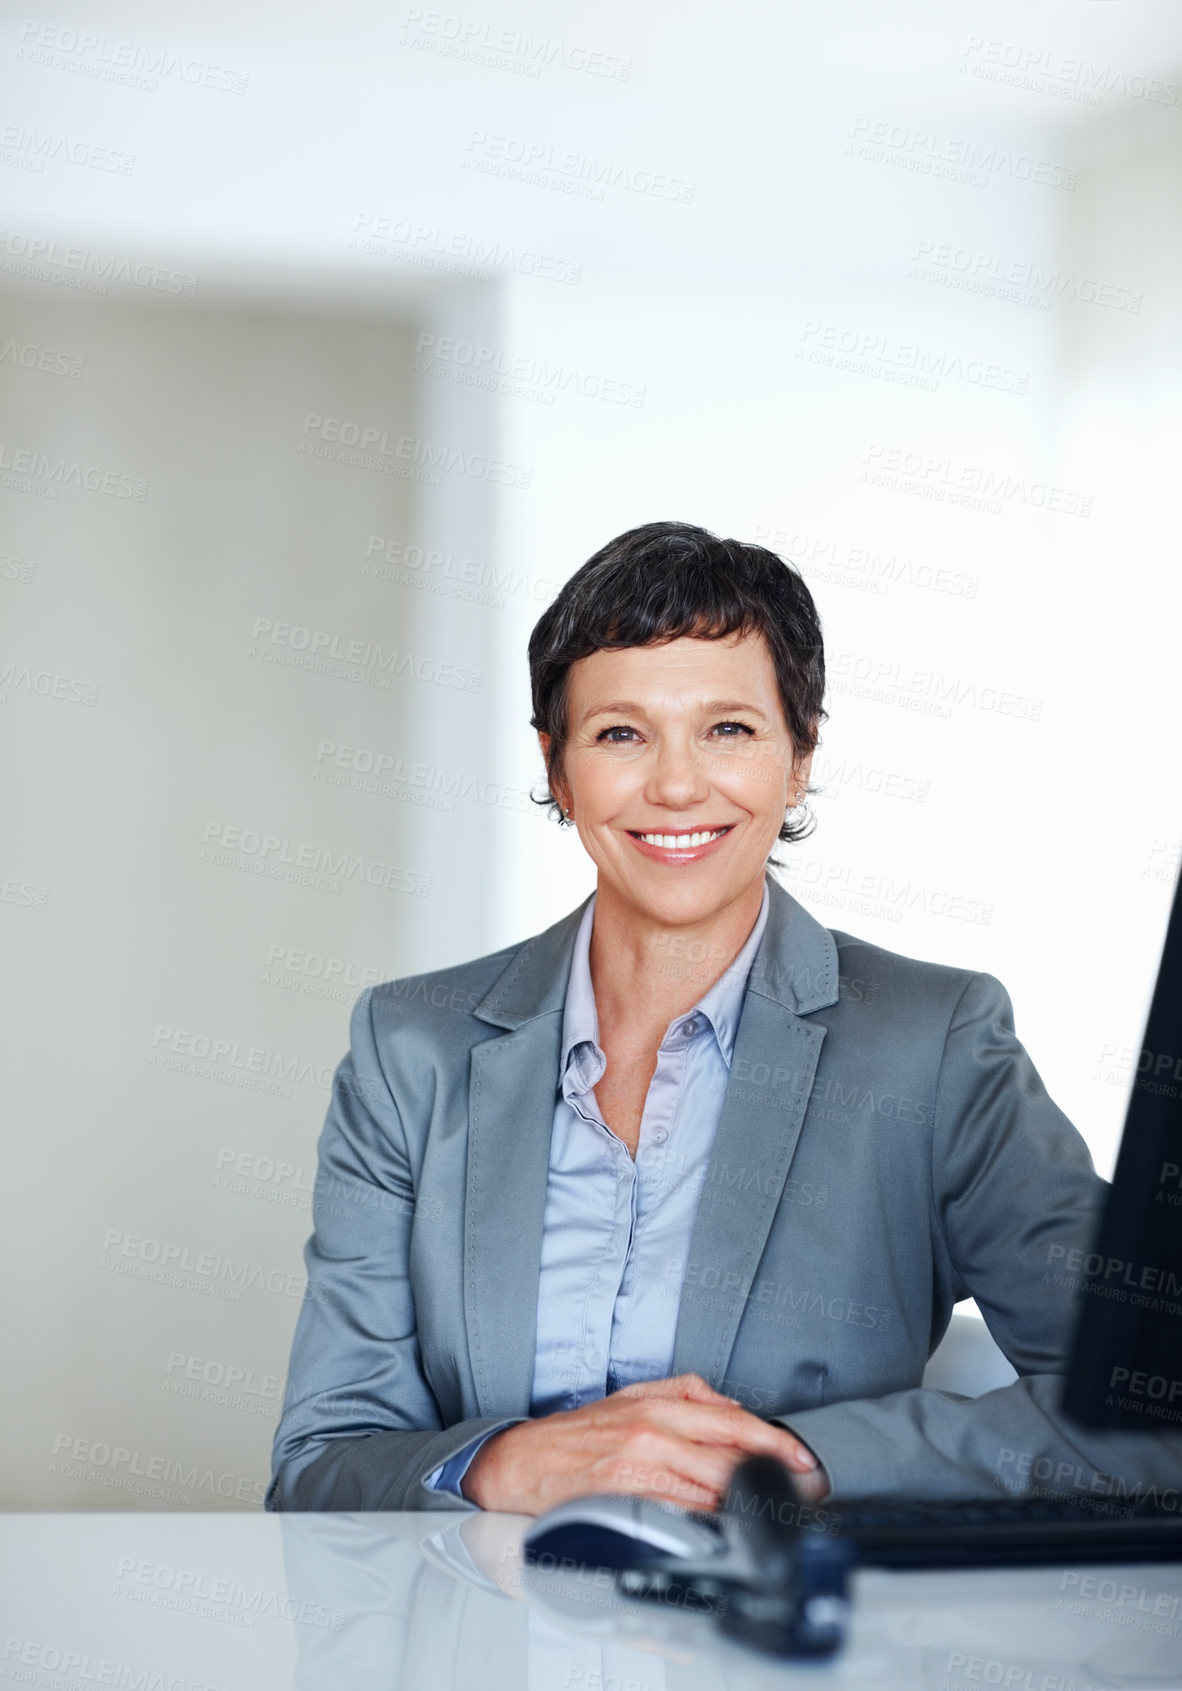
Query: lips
(681, 846)
(681, 839)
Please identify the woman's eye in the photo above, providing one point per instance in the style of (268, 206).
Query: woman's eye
(621, 735)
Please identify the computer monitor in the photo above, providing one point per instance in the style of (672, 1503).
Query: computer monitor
(1126, 1361)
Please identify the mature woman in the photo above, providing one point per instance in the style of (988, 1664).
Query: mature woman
(686, 1175)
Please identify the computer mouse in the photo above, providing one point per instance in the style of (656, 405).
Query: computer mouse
(609, 1531)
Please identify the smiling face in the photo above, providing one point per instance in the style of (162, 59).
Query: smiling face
(678, 769)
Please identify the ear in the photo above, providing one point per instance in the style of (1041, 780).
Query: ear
(559, 790)
(800, 773)
(802, 765)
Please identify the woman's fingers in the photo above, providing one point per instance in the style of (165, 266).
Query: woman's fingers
(694, 1387)
(676, 1386)
(666, 1466)
(687, 1496)
(727, 1424)
(759, 1437)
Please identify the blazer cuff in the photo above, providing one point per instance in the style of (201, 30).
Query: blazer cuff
(381, 1470)
(464, 1439)
(449, 1475)
(858, 1463)
(861, 1458)
(922, 1444)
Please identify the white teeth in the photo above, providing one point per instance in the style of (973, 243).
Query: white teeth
(681, 842)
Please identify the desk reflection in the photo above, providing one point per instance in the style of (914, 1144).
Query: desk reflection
(451, 1606)
(439, 1602)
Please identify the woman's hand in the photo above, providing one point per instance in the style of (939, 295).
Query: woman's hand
(676, 1440)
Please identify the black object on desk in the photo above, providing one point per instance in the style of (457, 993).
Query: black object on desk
(1024, 1533)
(792, 1598)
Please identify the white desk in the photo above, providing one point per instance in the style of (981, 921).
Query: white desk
(400, 1602)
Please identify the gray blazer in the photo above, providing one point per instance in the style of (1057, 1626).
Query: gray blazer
(885, 1148)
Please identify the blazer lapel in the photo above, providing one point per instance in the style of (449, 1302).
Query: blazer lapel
(511, 1097)
(512, 1090)
(772, 1068)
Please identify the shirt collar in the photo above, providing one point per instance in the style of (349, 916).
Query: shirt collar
(721, 1004)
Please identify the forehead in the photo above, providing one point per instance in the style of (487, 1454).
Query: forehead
(735, 667)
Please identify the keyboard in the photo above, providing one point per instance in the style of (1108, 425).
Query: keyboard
(1008, 1534)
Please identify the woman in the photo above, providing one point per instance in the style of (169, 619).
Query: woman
(686, 1176)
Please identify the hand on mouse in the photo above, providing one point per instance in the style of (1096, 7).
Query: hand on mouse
(675, 1440)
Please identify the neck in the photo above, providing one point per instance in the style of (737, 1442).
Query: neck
(646, 972)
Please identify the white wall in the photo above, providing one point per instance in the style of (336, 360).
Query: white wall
(174, 1016)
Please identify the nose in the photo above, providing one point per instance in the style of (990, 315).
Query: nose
(678, 776)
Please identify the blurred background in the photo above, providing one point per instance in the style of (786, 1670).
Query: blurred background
(331, 342)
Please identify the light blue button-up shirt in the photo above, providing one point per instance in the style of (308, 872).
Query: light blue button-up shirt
(616, 1231)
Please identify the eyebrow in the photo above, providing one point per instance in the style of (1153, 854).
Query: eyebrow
(629, 707)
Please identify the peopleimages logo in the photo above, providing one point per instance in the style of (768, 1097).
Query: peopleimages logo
(1021, 281)
(361, 661)
(427, 247)
(1044, 71)
(100, 1463)
(47, 684)
(227, 1384)
(125, 62)
(41, 468)
(539, 163)
(1139, 1383)
(841, 562)
(519, 376)
(245, 1062)
(31, 149)
(501, 48)
(48, 360)
(954, 157)
(368, 438)
(208, 1271)
(928, 691)
(416, 564)
(979, 486)
(73, 266)
(281, 858)
(374, 771)
(1143, 1277)
(866, 352)
(192, 1589)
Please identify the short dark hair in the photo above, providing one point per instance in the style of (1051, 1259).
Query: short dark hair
(658, 583)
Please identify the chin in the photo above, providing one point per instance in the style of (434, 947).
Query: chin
(677, 905)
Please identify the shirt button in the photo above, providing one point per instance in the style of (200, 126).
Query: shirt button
(690, 1028)
(659, 1135)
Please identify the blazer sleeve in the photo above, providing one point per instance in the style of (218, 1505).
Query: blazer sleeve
(1013, 1195)
(360, 1427)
